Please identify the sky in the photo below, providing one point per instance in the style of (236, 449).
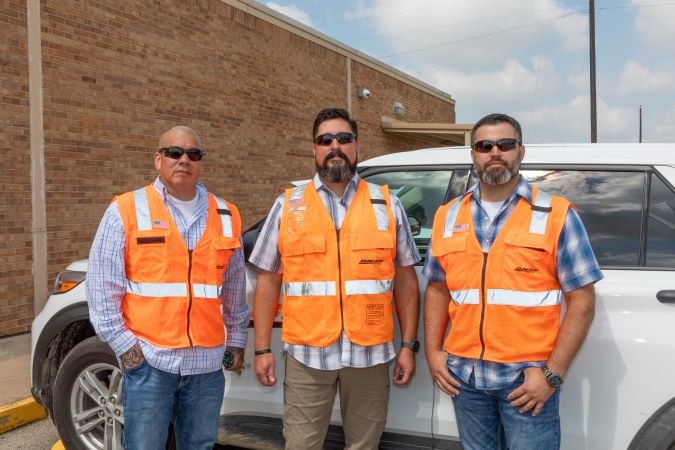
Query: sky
(526, 58)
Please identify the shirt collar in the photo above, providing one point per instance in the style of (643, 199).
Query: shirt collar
(523, 189)
(161, 189)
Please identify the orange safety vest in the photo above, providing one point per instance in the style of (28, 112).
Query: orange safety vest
(337, 279)
(505, 304)
(173, 295)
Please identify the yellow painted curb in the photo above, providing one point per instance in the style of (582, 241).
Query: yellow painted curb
(20, 413)
(58, 446)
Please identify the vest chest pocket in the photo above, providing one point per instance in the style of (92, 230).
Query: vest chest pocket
(526, 257)
(147, 254)
(223, 248)
(371, 255)
(304, 257)
(450, 253)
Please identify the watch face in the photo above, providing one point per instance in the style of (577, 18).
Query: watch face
(554, 380)
(416, 346)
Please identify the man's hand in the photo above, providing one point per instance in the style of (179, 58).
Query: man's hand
(438, 367)
(533, 393)
(404, 368)
(264, 369)
(133, 357)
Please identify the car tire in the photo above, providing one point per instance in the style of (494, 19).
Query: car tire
(658, 433)
(88, 411)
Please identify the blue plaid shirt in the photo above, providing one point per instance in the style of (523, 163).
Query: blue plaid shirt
(576, 267)
(106, 285)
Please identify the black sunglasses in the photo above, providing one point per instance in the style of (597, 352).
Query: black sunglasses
(504, 145)
(174, 152)
(327, 139)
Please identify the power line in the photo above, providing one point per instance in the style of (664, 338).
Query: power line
(480, 36)
(468, 22)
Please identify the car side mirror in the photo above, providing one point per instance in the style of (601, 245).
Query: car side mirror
(415, 225)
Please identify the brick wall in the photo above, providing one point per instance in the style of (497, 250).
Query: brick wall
(118, 74)
(16, 281)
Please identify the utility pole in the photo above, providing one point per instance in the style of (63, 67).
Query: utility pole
(591, 34)
(640, 139)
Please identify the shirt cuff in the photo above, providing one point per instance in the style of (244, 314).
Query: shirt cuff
(123, 342)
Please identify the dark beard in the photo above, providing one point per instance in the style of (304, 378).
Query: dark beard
(335, 172)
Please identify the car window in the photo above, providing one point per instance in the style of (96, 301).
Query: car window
(661, 225)
(609, 204)
(421, 193)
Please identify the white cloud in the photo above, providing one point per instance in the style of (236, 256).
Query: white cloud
(291, 11)
(637, 78)
(479, 33)
(655, 23)
(570, 122)
(659, 127)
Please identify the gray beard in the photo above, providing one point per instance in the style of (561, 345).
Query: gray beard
(336, 173)
(496, 179)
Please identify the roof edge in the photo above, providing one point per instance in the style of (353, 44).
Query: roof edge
(269, 15)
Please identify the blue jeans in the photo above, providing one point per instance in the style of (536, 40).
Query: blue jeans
(486, 419)
(152, 398)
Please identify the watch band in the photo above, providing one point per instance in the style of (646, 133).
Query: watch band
(414, 346)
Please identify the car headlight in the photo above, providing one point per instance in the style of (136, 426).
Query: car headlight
(67, 280)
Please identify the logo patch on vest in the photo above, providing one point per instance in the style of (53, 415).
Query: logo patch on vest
(220, 267)
(526, 269)
(371, 261)
(374, 314)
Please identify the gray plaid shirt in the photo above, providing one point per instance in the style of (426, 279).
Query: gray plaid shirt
(265, 255)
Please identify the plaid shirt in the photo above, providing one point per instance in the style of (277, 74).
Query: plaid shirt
(576, 267)
(106, 286)
(265, 255)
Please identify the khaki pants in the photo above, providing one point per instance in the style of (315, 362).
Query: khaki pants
(309, 395)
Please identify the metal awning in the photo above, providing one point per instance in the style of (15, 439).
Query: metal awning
(451, 134)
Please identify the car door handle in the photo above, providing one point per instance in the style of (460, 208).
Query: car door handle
(666, 296)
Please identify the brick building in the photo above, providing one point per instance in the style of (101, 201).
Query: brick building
(87, 87)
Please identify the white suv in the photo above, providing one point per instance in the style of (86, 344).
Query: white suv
(618, 394)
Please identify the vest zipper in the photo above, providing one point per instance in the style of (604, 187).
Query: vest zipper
(483, 300)
(342, 314)
(189, 294)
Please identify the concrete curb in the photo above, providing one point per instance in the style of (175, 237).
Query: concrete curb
(20, 413)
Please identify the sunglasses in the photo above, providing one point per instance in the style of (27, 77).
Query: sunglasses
(504, 145)
(194, 154)
(327, 139)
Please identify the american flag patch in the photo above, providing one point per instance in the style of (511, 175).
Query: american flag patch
(160, 224)
(298, 201)
(462, 227)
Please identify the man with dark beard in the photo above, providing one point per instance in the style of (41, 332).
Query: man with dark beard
(502, 257)
(338, 249)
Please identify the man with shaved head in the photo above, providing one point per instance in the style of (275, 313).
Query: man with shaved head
(165, 287)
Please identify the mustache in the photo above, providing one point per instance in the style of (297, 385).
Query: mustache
(332, 154)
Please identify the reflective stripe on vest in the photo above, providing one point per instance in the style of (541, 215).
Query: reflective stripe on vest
(379, 206)
(157, 289)
(142, 210)
(225, 216)
(541, 208)
(207, 291)
(309, 288)
(508, 297)
(368, 287)
(466, 296)
(522, 298)
(451, 218)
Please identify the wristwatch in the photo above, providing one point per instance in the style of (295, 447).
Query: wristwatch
(552, 378)
(414, 346)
